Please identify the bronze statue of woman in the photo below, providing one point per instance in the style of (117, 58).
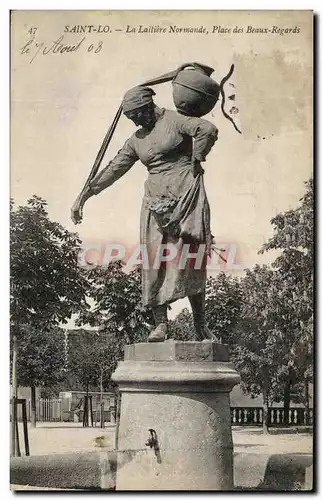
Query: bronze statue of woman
(175, 208)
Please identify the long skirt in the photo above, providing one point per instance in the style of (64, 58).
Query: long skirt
(175, 236)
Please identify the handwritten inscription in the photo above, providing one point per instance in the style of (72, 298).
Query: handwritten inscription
(34, 48)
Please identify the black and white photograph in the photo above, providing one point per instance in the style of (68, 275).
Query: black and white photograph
(161, 251)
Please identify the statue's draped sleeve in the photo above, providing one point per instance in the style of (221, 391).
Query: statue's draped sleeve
(116, 168)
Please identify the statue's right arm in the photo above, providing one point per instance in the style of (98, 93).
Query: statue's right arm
(116, 168)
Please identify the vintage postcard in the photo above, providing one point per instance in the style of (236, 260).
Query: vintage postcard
(161, 250)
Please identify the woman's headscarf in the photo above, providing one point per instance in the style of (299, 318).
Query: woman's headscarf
(136, 98)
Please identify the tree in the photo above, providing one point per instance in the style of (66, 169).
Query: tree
(182, 327)
(276, 323)
(80, 357)
(117, 303)
(92, 356)
(259, 352)
(222, 310)
(41, 360)
(47, 285)
(119, 319)
(293, 237)
(223, 305)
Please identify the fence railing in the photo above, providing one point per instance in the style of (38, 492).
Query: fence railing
(254, 416)
(47, 410)
(50, 410)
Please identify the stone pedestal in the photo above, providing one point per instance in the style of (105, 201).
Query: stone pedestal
(178, 394)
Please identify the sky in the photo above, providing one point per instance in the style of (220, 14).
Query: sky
(62, 105)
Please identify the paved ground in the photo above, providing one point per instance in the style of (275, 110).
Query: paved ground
(62, 437)
(252, 440)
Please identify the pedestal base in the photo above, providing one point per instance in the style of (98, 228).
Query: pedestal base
(177, 392)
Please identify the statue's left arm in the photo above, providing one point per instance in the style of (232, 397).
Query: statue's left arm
(204, 133)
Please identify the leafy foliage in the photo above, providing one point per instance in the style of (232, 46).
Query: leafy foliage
(92, 355)
(293, 230)
(223, 305)
(257, 354)
(182, 327)
(293, 235)
(117, 303)
(47, 286)
(41, 357)
(222, 310)
(118, 318)
(275, 330)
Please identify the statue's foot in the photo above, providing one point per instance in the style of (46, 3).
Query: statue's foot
(206, 335)
(158, 334)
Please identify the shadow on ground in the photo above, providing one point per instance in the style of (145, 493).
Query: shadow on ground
(286, 472)
(277, 472)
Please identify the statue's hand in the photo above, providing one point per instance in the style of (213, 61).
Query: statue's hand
(196, 167)
(77, 210)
